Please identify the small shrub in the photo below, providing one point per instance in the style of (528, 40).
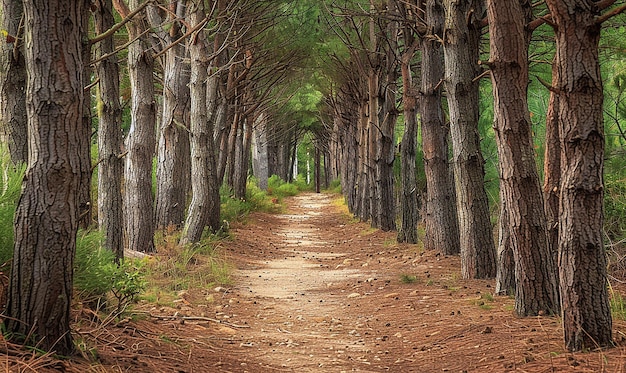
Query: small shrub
(408, 279)
(96, 275)
(335, 186)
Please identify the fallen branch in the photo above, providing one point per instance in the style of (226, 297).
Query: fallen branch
(196, 318)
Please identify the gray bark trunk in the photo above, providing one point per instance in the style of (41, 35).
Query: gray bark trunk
(111, 166)
(173, 162)
(46, 219)
(140, 143)
(260, 166)
(13, 122)
(204, 209)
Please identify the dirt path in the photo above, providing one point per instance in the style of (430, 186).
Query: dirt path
(317, 292)
(323, 294)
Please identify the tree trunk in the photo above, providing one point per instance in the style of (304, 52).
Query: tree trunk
(582, 262)
(408, 147)
(260, 159)
(204, 209)
(385, 199)
(523, 218)
(85, 217)
(242, 157)
(46, 218)
(13, 122)
(110, 167)
(442, 229)
(461, 42)
(552, 168)
(140, 143)
(505, 277)
(173, 162)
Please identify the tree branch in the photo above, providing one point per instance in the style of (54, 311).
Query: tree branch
(119, 25)
(610, 13)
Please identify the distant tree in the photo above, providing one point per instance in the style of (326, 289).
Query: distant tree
(522, 217)
(204, 209)
(461, 39)
(409, 194)
(13, 81)
(111, 163)
(173, 167)
(140, 142)
(46, 219)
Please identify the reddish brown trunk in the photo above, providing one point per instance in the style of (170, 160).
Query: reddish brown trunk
(582, 262)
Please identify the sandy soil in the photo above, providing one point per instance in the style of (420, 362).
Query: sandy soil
(315, 291)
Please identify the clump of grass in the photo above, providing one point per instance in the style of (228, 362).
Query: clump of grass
(485, 300)
(10, 188)
(335, 187)
(618, 304)
(98, 279)
(176, 268)
(408, 279)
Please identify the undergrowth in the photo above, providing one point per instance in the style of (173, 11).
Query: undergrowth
(10, 187)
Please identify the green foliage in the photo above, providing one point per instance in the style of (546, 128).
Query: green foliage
(618, 305)
(183, 268)
(615, 207)
(96, 275)
(408, 279)
(279, 188)
(128, 282)
(335, 186)
(10, 188)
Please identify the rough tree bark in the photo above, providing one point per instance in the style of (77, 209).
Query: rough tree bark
(173, 163)
(111, 166)
(46, 219)
(552, 168)
(442, 229)
(204, 209)
(384, 156)
(461, 45)
(587, 319)
(140, 142)
(522, 217)
(13, 121)
(408, 147)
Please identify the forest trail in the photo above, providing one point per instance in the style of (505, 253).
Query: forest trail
(322, 293)
(315, 291)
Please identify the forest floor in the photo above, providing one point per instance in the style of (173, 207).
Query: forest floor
(315, 291)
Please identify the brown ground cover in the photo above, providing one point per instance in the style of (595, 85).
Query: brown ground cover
(315, 291)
